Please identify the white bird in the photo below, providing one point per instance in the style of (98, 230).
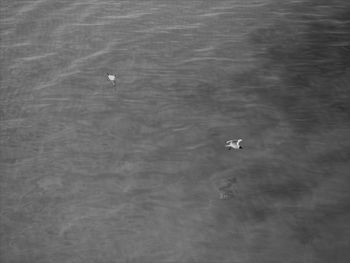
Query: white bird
(234, 144)
(112, 78)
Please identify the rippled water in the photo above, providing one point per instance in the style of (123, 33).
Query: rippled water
(140, 173)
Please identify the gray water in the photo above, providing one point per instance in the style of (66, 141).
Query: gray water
(140, 173)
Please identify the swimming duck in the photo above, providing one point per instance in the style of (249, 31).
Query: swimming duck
(112, 78)
(234, 144)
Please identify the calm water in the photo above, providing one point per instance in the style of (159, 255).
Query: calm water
(141, 174)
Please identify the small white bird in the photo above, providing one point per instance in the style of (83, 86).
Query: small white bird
(112, 78)
(234, 144)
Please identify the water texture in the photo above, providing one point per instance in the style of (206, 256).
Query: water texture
(140, 173)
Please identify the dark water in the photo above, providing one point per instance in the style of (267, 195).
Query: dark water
(90, 174)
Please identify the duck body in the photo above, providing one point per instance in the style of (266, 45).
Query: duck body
(112, 78)
(234, 144)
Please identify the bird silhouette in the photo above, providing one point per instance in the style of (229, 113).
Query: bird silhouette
(112, 78)
(234, 144)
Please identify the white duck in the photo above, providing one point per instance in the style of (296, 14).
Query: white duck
(112, 78)
(234, 144)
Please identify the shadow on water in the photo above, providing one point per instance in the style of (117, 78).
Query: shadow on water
(307, 50)
(303, 72)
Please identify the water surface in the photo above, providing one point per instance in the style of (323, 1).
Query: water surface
(141, 174)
